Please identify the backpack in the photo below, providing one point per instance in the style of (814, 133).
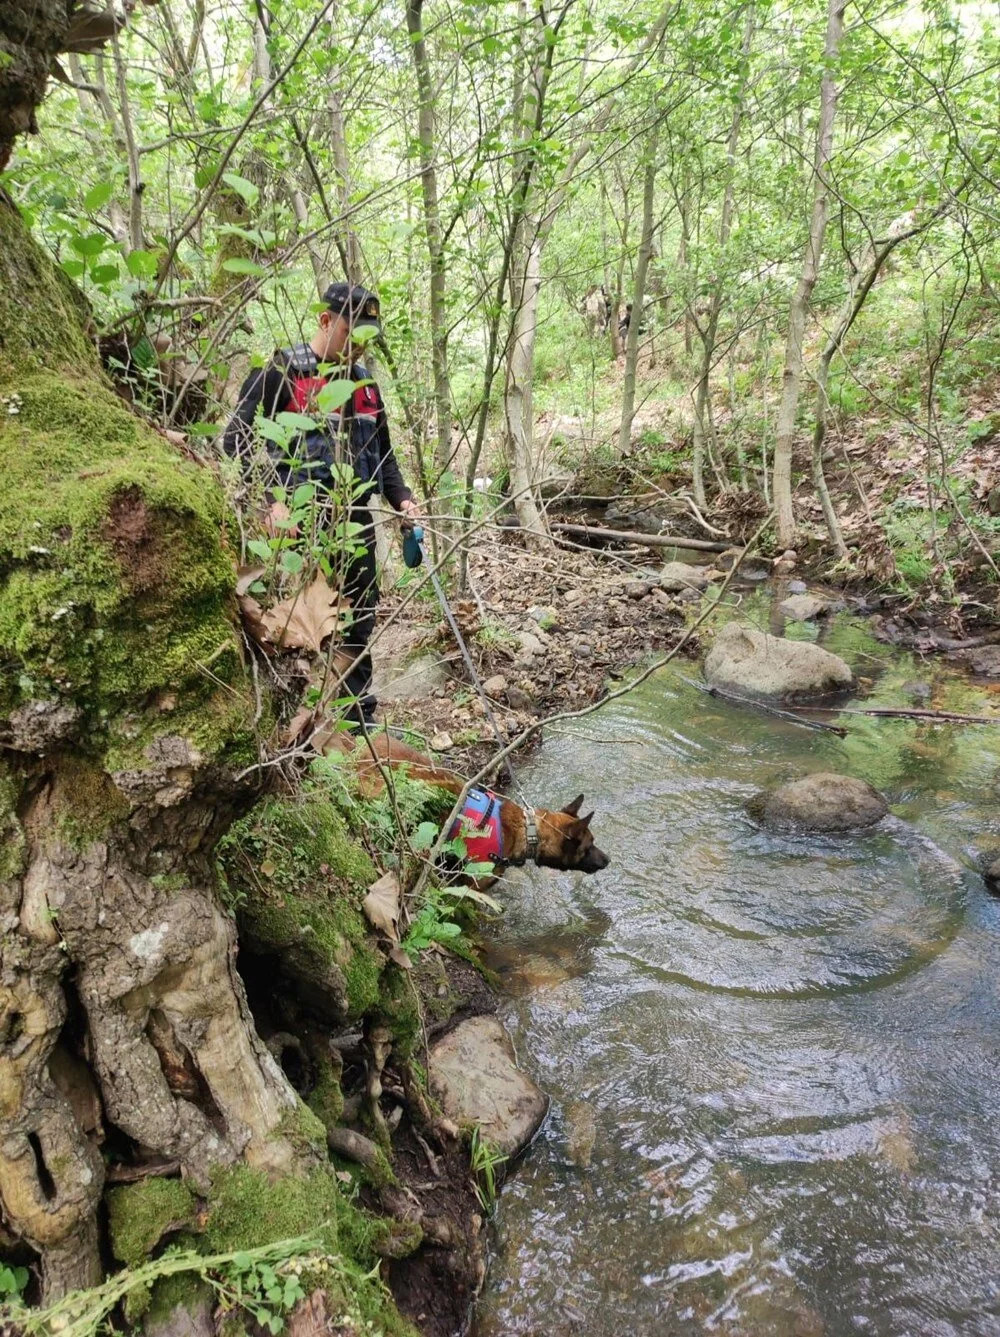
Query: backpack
(356, 424)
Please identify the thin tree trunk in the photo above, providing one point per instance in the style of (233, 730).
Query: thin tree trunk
(135, 184)
(638, 295)
(613, 286)
(848, 314)
(432, 227)
(798, 309)
(518, 394)
(338, 143)
(708, 337)
(116, 214)
(262, 75)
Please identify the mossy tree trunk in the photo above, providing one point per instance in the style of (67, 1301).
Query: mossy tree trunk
(125, 716)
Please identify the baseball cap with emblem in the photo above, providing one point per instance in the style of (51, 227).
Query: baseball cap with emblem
(357, 305)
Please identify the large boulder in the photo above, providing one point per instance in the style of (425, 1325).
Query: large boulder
(474, 1077)
(822, 802)
(746, 660)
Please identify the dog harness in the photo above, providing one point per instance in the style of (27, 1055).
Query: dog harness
(479, 825)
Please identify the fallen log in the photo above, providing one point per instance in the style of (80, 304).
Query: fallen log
(633, 536)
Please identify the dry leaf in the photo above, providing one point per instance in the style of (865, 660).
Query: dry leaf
(304, 620)
(302, 721)
(382, 905)
(245, 577)
(253, 619)
(400, 958)
(268, 868)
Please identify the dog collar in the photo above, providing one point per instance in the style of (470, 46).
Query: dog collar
(530, 836)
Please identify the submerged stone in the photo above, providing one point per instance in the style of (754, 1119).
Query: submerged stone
(822, 802)
(474, 1077)
(803, 607)
(684, 576)
(744, 659)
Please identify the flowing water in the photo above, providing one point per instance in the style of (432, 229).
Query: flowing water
(774, 1061)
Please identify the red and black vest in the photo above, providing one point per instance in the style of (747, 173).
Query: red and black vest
(350, 434)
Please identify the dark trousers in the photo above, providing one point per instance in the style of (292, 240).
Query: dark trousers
(361, 587)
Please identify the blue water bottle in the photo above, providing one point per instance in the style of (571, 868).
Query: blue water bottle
(413, 553)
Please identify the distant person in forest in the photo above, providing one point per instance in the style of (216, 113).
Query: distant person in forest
(359, 432)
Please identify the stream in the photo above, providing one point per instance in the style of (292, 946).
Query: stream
(773, 1060)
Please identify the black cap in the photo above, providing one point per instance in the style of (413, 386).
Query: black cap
(358, 305)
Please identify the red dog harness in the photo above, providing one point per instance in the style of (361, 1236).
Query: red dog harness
(478, 824)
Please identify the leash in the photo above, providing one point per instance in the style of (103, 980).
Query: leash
(414, 555)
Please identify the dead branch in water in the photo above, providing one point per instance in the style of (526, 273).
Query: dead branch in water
(934, 716)
(882, 712)
(762, 705)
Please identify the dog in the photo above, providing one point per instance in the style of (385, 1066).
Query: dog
(495, 829)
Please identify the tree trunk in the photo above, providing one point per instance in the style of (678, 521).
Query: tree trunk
(518, 391)
(117, 758)
(798, 309)
(638, 296)
(432, 228)
(708, 336)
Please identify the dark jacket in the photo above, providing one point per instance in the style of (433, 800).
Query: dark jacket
(286, 384)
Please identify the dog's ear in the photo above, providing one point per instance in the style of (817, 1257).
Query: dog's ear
(585, 821)
(573, 809)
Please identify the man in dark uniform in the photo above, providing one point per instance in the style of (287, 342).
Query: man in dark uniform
(358, 432)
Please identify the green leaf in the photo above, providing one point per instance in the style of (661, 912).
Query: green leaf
(204, 174)
(291, 562)
(247, 191)
(74, 268)
(239, 265)
(144, 354)
(424, 836)
(93, 244)
(476, 869)
(260, 548)
(203, 428)
(273, 431)
(97, 197)
(299, 422)
(141, 264)
(335, 394)
(303, 495)
(445, 930)
(104, 273)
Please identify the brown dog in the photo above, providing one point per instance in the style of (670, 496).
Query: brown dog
(494, 828)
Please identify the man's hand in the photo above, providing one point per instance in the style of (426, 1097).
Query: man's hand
(410, 513)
